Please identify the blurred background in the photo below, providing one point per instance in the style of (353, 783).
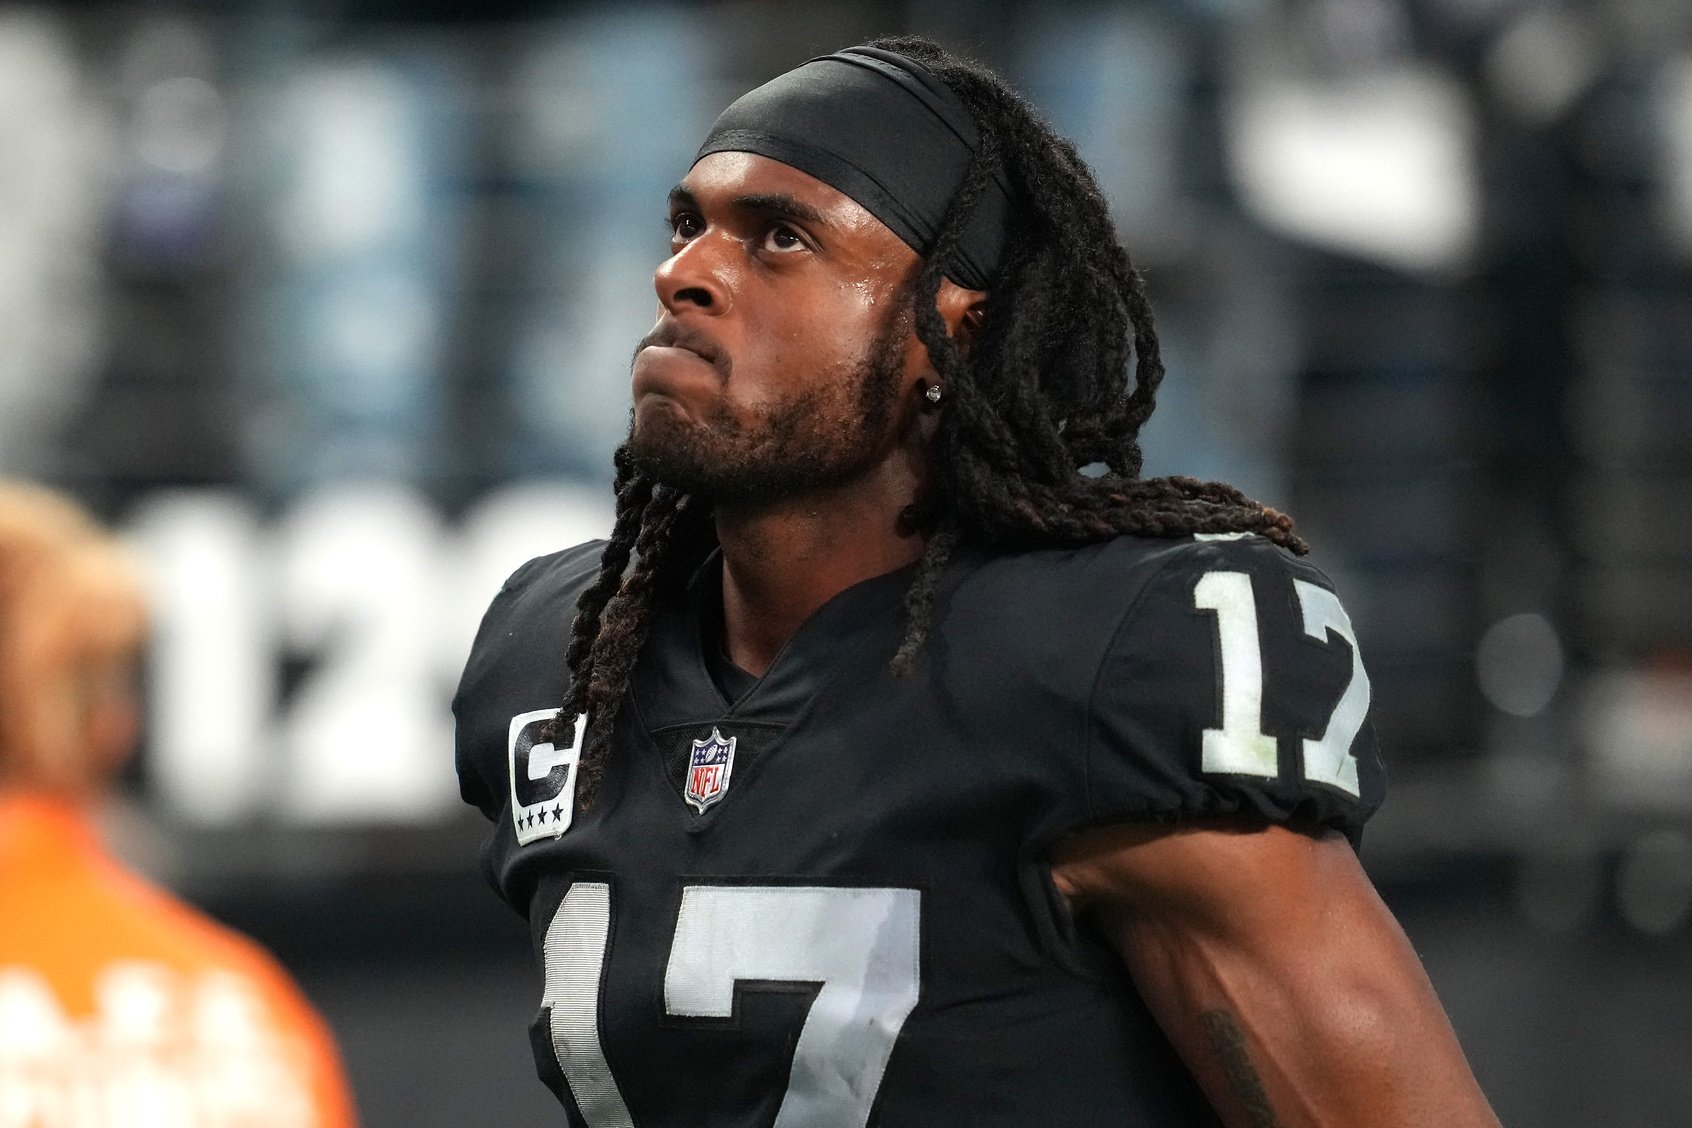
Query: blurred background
(329, 306)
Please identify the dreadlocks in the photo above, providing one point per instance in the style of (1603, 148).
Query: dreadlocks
(1039, 397)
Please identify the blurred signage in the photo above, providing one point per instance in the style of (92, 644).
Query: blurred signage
(302, 666)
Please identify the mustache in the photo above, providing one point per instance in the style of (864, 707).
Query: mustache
(676, 335)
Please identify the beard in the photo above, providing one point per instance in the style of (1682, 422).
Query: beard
(822, 437)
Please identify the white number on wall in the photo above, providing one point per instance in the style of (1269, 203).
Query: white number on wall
(365, 584)
(211, 676)
(356, 575)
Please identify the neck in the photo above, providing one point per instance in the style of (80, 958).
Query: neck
(783, 560)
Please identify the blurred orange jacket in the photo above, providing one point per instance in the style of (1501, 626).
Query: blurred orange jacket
(120, 1005)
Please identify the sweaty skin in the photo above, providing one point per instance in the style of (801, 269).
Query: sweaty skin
(791, 303)
(1273, 966)
(1265, 953)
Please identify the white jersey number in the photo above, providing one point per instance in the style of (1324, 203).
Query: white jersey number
(860, 945)
(1240, 746)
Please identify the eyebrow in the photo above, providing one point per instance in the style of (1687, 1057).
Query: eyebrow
(767, 204)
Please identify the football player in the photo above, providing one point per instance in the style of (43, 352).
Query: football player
(911, 759)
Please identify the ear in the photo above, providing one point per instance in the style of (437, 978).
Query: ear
(964, 311)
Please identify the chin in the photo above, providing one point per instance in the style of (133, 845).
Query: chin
(660, 423)
(670, 447)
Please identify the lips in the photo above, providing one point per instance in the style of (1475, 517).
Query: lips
(673, 334)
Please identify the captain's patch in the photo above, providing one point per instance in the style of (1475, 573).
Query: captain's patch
(543, 777)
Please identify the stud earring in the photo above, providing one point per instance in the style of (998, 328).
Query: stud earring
(934, 393)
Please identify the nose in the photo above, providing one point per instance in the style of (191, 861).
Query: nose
(694, 277)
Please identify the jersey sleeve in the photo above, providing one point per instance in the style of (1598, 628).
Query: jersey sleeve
(1233, 686)
(472, 787)
(516, 638)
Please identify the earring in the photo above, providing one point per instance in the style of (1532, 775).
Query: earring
(933, 394)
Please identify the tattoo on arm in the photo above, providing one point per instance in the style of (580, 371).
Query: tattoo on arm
(1227, 1041)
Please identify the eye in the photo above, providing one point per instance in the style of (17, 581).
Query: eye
(783, 239)
(684, 226)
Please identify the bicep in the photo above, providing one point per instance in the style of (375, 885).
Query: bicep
(1278, 974)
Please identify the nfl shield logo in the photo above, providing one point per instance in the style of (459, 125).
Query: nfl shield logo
(708, 770)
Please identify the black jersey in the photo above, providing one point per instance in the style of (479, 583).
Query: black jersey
(826, 904)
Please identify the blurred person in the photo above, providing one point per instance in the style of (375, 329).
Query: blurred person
(919, 762)
(119, 1005)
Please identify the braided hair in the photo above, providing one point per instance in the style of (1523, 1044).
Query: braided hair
(1038, 398)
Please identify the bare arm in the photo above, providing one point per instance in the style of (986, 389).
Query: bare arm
(1280, 977)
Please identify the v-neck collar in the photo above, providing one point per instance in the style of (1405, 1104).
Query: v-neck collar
(674, 686)
(704, 594)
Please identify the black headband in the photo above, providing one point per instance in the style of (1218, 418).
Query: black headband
(886, 132)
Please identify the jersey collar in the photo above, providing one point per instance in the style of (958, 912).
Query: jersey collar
(673, 686)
